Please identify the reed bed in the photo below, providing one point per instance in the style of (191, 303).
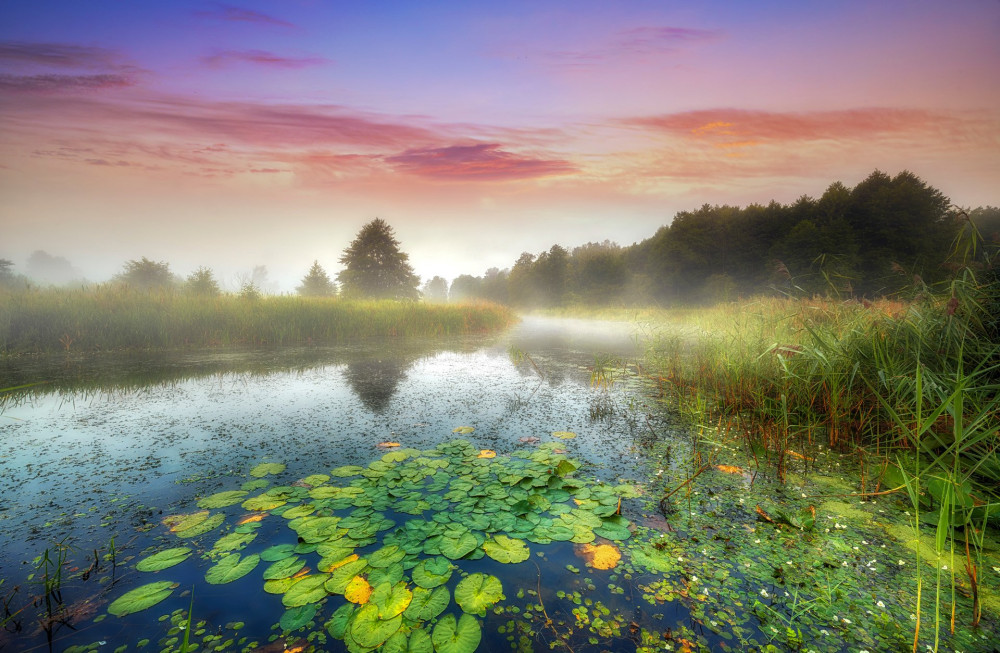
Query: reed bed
(118, 318)
(910, 388)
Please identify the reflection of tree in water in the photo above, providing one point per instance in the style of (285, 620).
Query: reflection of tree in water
(375, 380)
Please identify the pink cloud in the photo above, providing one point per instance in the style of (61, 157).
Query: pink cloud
(483, 161)
(239, 14)
(261, 57)
(742, 125)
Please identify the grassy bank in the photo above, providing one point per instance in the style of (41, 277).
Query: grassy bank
(116, 318)
(910, 390)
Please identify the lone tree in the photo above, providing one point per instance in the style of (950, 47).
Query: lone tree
(146, 274)
(375, 267)
(202, 282)
(316, 283)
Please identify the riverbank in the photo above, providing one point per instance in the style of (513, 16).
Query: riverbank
(116, 318)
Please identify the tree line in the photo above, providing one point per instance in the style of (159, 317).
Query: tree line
(885, 234)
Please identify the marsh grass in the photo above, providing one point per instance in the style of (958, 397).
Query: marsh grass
(909, 387)
(117, 318)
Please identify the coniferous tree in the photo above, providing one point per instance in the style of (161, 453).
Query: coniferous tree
(375, 267)
(317, 283)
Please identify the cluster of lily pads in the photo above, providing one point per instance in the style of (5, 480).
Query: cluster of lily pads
(383, 547)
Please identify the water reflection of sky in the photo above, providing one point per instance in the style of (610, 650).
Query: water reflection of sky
(69, 451)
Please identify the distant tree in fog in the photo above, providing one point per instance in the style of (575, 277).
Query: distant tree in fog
(465, 287)
(375, 267)
(6, 274)
(46, 269)
(146, 275)
(317, 283)
(436, 290)
(202, 282)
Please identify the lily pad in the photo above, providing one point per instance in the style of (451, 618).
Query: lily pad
(427, 604)
(431, 572)
(295, 618)
(458, 547)
(203, 527)
(358, 590)
(141, 598)
(277, 552)
(346, 471)
(233, 542)
(477, 592)
(341, 576)
(264, 469)
(284, 568)
(564, 435)
(222, 499)
(506, 549)
(338, 623)
(308, 590)
(456, 636)
(418, 641)
(231, 568)
(368, 630)
(463, 429)
(164, 559)
(391, 600)
(386, 556)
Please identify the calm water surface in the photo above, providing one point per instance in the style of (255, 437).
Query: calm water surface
(109, 445)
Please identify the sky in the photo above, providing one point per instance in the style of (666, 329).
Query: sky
(232, 135)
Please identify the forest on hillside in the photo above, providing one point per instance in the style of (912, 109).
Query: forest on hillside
(886, 235)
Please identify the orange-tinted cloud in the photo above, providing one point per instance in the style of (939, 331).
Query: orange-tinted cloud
(794, 126)
(239, 14)
(260, 58)
(482, 161)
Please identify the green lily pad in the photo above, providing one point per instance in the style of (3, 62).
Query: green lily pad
(222, 499)
(231, 568)
(431, 572)
(233, 542)
(347, 471)
(295, 618)
(387, 555)
(458, 547)
(339, 621)
(141, 598)
(461, 636)
(164, 559)
(368, 630)
(264, 469)
(564, 435)
(277, 552)
(205, 526)
(391, 600)
(506, 549)
(341, 576)
(284, 568)
(391, 574)
(263, 502)
(418, 641)
(315, 479)
(299, 511)
(477, 592)
(307, 590)
(427, 604)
